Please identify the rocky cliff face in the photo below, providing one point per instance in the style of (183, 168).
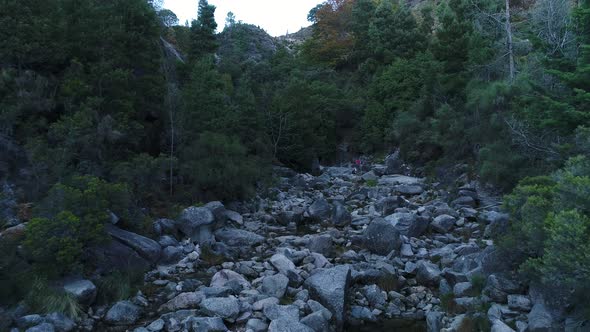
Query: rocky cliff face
(292, 40)
(245, 43)
(339, 251)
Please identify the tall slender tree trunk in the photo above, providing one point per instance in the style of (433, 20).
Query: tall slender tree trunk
(172, 133)
(512, 69)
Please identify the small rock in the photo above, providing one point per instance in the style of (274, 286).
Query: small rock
(427, 273)
(227, 277)
(362, 313)
(285, 325)
(28, 321)
(238, 238)
(463, 289)
(275, 311)
(156, 326)
(61, 322)
(44, 327)
(204, 324)
(225, 307)
(256, 325)
(275, 285)
(317, 321)
(443, 223)
(123, 313)
(434, 321)
(499, 326)
(519, 302)
(188, 300)
(83, 290)
(540, 319)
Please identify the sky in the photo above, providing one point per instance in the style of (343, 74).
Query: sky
(275, 16)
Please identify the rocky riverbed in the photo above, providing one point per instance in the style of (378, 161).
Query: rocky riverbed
(377, 251)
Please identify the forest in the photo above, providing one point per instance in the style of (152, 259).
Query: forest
(115, 109)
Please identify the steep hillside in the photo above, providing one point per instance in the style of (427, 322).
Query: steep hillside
(242, 43)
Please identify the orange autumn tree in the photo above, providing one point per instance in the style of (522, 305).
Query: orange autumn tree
(332, 40)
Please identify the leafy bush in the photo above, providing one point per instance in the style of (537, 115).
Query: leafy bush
(146, 176)
(15, 273)
(72, 218)
(478, 282)
(220, 166)
(87, 197)
(550, 231)
(58, 242)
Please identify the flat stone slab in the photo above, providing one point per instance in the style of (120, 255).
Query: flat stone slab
(392, 180)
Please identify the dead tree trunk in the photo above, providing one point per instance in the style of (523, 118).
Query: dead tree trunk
(512, 69)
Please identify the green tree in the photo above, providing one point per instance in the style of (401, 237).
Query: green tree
(168, 18)
(230, 20)
(219, 167)
(203, 39)
(550, 227)
(394, 32)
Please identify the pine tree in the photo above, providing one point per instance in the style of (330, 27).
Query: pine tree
(579, 80)
(203, 39)
(394, 33)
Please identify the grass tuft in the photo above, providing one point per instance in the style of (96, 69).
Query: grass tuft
(119, 285)
(388, 283)
(478, 283)
(371, 183)
(44, 299)
(209, 257)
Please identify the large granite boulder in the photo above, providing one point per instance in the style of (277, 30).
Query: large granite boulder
(321, 243)
(427, 273)
(381, 237)
(540, 319)
(114, 256)
(238, 237)
(340, 215)
(227, 308)
(197, 223)
(275, 285)
(165, 227)
(408, 223)
(225, 278)
(497, 288)
(145, 247)
(443, 223)
(393, 163)
(187, 300)
(319, 210)
(331, 287)
(285, 266)
(387, 205)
